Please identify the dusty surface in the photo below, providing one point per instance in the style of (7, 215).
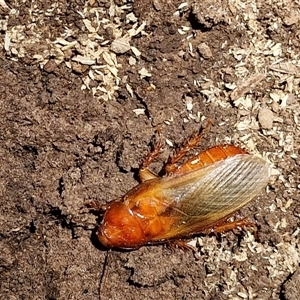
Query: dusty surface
(76, 118)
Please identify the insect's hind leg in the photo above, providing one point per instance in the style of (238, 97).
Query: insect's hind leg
(228, 226)
(190, 144)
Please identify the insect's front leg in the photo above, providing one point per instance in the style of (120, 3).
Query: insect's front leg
(95, 205)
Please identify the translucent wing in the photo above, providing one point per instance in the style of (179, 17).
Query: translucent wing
(204, 196)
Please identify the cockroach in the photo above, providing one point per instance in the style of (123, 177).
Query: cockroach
(197, 196)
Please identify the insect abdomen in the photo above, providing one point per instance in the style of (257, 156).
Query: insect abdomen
(210, 156)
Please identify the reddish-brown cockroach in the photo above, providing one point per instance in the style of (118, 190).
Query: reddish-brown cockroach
(194, 197)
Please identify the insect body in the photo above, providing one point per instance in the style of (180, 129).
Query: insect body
(196, 196)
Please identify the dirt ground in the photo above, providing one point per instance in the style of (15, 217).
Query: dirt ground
(84, 87)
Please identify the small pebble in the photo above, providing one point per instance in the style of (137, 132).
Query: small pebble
(265, 118)
(204, 50)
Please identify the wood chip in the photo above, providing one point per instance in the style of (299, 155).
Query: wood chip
(121, 45)
(246, 86)
(84, 60)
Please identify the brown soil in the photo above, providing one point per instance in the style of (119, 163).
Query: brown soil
(64, 143)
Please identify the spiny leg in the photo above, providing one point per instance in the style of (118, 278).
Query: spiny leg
(95, 205)
(144, 172)
(228, 226)
(190, 144)
(181, 244)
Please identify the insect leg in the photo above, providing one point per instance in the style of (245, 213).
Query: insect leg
(190, 144)
(144, 172)
(181, 244)
(227, 226)
(94, 205)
